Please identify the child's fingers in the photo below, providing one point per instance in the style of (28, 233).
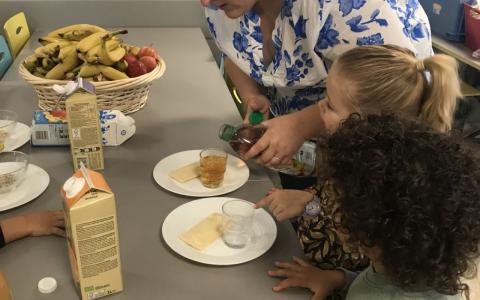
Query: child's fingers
(264, 202)
(58, 214)
(300, 261)
(286, 283)
(286, 265)
(58, 231)
(280, 273)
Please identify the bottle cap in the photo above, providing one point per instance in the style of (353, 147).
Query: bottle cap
(47, 285)
(227, 132)
(255, 118)
(73, 186)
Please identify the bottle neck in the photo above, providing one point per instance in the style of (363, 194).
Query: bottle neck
(227, 132)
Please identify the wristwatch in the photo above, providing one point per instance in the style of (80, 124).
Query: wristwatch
(312, 208)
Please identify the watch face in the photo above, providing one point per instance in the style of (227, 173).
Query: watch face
(312, 208)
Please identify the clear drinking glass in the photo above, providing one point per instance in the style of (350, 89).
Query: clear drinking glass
(13, 166)
(213, 163)
(237, 222)
(8, 121)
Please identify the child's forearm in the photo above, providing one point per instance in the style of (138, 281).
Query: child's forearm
(15, 228)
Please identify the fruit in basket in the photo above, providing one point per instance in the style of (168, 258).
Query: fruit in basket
(90, 52)
(91, 70)
(148, 51)
(95, 39)
(87, 29)
(69, 61)
(130, 58)
(136, 68)
(149, 62)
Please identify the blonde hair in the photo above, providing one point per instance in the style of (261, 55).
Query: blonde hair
(390, 78)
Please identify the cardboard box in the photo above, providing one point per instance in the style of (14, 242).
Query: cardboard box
(92, 235)
(51, 128)
(84, 127)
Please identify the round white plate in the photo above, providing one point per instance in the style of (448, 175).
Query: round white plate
(187, 215)
(21, 135)
(235, 176)
(33, 185)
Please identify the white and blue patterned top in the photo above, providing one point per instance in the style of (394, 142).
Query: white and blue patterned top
(309, 35)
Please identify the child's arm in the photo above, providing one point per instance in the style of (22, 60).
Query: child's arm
(34, 224)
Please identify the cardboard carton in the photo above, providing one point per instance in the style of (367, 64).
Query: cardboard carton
(51, 128)
(92, 234)
(84, 127)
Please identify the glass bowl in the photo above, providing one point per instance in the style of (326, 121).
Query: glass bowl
(8, 121)
(13, 167)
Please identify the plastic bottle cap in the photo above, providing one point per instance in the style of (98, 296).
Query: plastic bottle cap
(47, 285)
(255, 118)
(73, 185)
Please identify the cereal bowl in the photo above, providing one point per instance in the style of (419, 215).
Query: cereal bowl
(13, 166)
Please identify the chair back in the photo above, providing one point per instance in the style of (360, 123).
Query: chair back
(16, 32)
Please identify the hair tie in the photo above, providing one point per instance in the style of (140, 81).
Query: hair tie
(420, 66)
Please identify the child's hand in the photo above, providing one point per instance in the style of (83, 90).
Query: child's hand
(301, 274)
(46, 223)
(285, 204)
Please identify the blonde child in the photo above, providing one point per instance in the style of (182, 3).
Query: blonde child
(364, 80)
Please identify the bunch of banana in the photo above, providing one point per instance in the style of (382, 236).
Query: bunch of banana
(75, 32)
(82, 50)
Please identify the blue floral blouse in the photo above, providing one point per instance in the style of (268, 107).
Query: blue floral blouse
(309, 35)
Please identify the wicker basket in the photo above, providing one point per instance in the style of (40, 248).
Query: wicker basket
(126, 95)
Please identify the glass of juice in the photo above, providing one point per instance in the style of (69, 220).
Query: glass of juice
(213, 163)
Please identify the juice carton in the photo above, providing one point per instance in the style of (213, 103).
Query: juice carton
(84, 130)
(92, 234)
(50, 128)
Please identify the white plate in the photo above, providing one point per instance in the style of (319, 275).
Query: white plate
(20, 135)
(235, 176)
(33, 185)
(185, 216)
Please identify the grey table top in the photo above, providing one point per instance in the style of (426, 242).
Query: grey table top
(184, 111)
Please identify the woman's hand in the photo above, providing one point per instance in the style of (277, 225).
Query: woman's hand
(280, 141)
(285, 204)
(301, 274)
(256, 102)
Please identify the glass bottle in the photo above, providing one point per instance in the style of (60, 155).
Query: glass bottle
(243, 137)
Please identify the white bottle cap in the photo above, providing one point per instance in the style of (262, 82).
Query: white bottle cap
(73, 185)
(47, 285)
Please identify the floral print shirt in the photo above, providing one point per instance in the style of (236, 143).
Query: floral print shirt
(309, 35)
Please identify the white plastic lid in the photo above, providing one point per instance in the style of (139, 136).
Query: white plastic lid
(73, 186)
(47, 285)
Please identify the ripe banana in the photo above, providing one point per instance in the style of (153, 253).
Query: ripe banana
(75, 35)
(93, 54)
(47, 40)
(95, 39)
(109, 57)
(70, 60)
(84, 27)
(52, 49)
(47, 63)
(89, 70)
(112, 73)
(31, 63)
